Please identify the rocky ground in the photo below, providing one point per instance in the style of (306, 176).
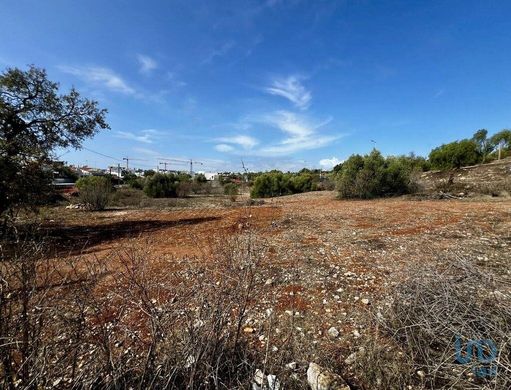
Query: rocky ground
(329, 263)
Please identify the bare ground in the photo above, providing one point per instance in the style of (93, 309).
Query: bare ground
(324, 244)
(330, 263)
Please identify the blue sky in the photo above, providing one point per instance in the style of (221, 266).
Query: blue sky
(278, 83)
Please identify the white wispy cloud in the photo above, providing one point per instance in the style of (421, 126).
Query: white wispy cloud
(297, 132)
(302, 134)
(292, 89)
(329, 163)
(147, 64)
(218, 51)
(224, 148)
(145, 136)
(100, 76)
(245, 141)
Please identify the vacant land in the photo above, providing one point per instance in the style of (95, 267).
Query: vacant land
(306, 231)
(325, 274)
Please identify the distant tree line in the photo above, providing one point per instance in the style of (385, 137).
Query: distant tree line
(478, 149)
(373, 175)
(36, 119)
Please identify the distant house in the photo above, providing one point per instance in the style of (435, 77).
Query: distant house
(210, 176)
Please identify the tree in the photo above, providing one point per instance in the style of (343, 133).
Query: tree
(200, 178)
(455, 155)
(161, 185)
(502, 140)
(484, 145)
(34, 120)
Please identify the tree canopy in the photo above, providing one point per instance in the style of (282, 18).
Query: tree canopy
(35, 120)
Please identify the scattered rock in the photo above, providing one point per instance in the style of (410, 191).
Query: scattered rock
(273, 382)
(333, 332)
(292, 365)
(322, 379)
(351, 359)
(259, 377)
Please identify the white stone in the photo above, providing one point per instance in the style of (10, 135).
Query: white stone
(333, 332)
(273, 382)
(321, 379)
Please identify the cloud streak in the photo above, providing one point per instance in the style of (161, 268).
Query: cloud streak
(291, 89)
(299, 133)
(146, 136)
(218, 51)
(245, 141)
(302, 134)
(100, 76)
(146, 63)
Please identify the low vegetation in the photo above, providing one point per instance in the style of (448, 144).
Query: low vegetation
(232, 190)
(276, 183)
(236, 298)
(425, 333)
(95, 191)
(466, 152)
(373, 176)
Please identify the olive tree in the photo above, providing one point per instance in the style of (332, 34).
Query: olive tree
(35, 119)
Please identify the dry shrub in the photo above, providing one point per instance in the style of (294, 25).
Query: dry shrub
(146, 323)
(127, 197)
(429, 312)
(498, 188)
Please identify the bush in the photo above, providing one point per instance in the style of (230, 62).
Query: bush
(200, 178)
(161, 185)
(133, 181)
(168, 185)
(430, 313)
(455, 155)
(184, 188)
(276, 183)
(95, 191)
(127, 197)
(232, 190)
(372, 176)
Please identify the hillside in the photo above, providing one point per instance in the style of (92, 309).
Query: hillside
(493, 179)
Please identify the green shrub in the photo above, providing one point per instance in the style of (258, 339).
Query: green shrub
(200, 178)
(161, 185)
(276, 183)
(95, 191)
(455, 155)
(232, 190)
(374, 176)
(168, 185)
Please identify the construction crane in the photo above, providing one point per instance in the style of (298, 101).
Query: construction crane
(128, 159)
(191, 162)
